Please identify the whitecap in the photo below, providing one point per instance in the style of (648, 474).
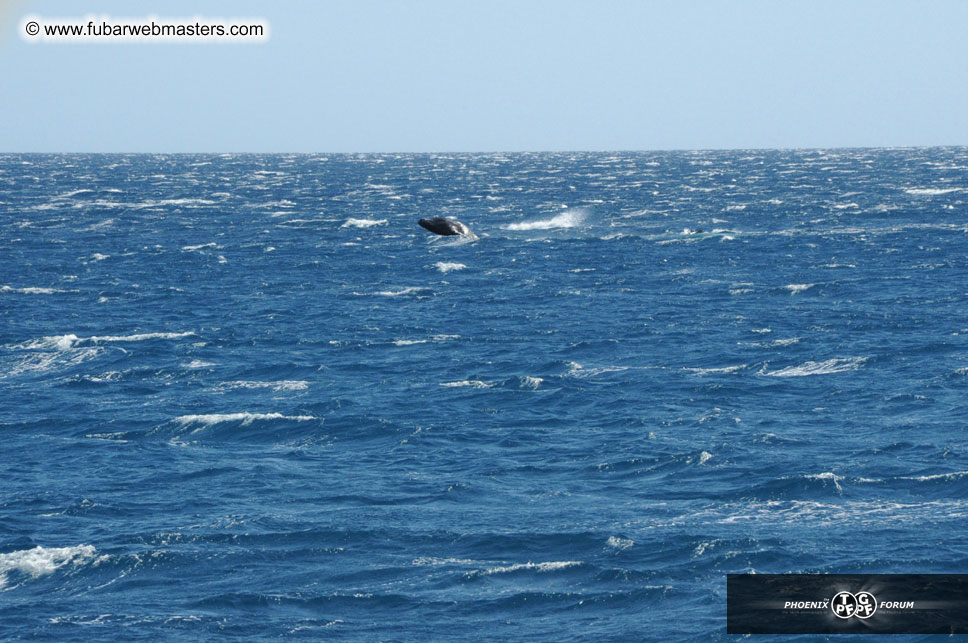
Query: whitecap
(68, 195)
(281, 385)
(577, 370)
(40, 561)
(69, 341)
(445, 266)
(569, 219)
(397, 293)
(209, 419)
(551, 566)
(530, 382)
(954, 475)
(932, 191)
(432, 561)
(471, 383)
(798, 288)
(703, 546)
(97, 226)
(201, 246)
(617, 542)
(50, 360)
(140, 337)
(827, 476)
(827, 367)
(302, 221)
(189, 202)
(31, 290)
(363, 223)
(59, 342)
(722, 369)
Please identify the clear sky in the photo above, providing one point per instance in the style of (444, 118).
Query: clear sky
(486, 75)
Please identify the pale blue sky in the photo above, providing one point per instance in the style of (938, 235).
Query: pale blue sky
(447, 75)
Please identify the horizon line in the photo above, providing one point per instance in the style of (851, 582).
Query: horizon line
(547, 151)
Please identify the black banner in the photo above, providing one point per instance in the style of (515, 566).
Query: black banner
(847, 604)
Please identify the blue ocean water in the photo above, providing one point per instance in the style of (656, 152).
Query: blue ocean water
(247, 395)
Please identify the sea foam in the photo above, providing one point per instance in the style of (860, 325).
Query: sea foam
(363, 223)
(569, 219)
(40, 561)
(447, 266)
(827, 367)
(209, 419)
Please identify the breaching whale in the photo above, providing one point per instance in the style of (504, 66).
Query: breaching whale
(446, 227)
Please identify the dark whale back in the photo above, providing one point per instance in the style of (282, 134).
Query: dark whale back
(446, 227)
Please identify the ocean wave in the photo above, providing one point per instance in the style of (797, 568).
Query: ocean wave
(932, 191)
(396, 293)
(470, 383)
(198, 363)
(363, 223)
(138, 337)
(447, 266)
(710, 371)
(409, 342)
(299, 222)
(954, 475)
(551, 566)
(569, 219)
(282, 385)
(70, 341)
(617, 542)
(41, 561)
(530, 382)
(184, 202)
(201, 246)
(798, 288)
(777, 343)
(210, 419)
(577, 370)
(827, 367)
(31, 290)
(431, 561)
(50, 360)
(73, 193)
(827, 476)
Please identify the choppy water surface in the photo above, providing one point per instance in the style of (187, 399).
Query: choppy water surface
(248, 395)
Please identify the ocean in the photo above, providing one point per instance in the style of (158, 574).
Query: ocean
(248, 397)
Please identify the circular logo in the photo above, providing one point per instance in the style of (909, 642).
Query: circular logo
(846, 605)
(866, 604)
